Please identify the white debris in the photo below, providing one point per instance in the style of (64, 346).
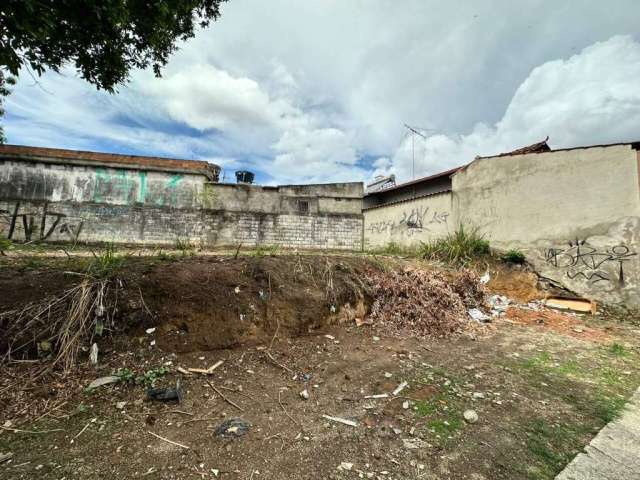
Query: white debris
(484, 279)
(305, 394)
(150, 330)
(237, 290)
(388, 375)
(121, 405)
(405, 405)
(378, 395)
(478, 395)
(344, 421)
(98, 382)
(330, 337)
(400, 387)
(345, 466)
(470, 416)
(215, 472)
(93, 355)
(413, 443)
(477, 315)
(376, 339)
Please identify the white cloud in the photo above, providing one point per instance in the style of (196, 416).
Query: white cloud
(590, 98)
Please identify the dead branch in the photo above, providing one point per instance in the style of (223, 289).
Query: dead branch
(168, 441)
(285, 410)
(230, 402)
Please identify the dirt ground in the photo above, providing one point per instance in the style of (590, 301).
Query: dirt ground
(542, 383)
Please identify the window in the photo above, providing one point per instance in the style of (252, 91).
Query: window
(303, 206)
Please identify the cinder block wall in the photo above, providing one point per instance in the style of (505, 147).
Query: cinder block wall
(62, 203)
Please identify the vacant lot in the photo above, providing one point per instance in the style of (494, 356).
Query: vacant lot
(541, 383)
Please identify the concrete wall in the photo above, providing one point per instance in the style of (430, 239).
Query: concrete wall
(574, 213)
(87, 203)
(408, 223)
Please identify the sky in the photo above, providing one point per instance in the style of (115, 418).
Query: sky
(320, 91)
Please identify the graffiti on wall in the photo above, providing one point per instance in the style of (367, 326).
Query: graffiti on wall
(38, 225)
(413, 221)
(583, 261)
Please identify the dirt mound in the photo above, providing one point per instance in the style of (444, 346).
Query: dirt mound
(423, 302)
(219, 302)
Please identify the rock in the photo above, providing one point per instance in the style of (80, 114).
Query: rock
(121, 405)
(305, 394)
(98, 382)
(387, 375)
(478, 395)
(470, 416)
(150, 330)
(405, 405)
(345, 466)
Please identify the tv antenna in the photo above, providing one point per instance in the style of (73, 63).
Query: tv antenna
(414, 131)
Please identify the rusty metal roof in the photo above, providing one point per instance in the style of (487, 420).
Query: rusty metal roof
(79, 157)
(435, 176)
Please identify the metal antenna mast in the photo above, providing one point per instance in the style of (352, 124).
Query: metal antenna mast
(414, 132)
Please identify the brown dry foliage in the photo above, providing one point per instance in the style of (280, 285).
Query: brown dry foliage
(424, 303)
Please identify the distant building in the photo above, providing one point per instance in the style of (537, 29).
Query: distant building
(381, 182)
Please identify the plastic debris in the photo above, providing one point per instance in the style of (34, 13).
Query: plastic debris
(166, 394)
(400, 387)
(234, 427)
(93, 355)
(150, 330)
(378, 395)
(477, 315)
(484, 279)
(98, 382)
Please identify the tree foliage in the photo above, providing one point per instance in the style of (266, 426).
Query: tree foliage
(103, 39)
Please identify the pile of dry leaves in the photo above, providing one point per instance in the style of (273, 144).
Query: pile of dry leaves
(422, 302)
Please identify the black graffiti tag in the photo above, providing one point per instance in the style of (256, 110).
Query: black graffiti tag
(581, 260)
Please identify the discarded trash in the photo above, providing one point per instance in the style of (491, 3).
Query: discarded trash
(399, 388)
(237, 290)
(305, 394)
(577, 305)
(93, 355)
(150, 330)
(378, 395)
(5, 456)
(405, 405)
(344, 421)
(484, 279)
(478, 315)
(234, 427)
(498, 304)
(388, 374)
(98, 382)
(470, 416)
(121, 405)
(166, 394)
(330, 337)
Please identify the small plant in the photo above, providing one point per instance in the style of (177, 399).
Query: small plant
(513, 256)
(125, 375)
(265, 251)
(393, 248)
(185, 247)
(107, 263)
(148, 378)
(618, 350)
(458, 247)
(5, 245)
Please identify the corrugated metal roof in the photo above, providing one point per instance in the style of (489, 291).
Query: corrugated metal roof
(416, 181)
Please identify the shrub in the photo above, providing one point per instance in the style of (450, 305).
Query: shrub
(5, 244)
(185, 246)
(458, 247)
(513, 256)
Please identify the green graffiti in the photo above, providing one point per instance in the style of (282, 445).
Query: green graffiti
(102, 177)
(173, 186)
(142, 192)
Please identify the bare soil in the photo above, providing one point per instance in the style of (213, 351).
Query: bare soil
(540, 392)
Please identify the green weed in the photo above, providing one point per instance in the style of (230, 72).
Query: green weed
(265, 251)
(5, 244)
(107, 263)
(459, 247)
(187, 248)
(618, 350)
(513, 256)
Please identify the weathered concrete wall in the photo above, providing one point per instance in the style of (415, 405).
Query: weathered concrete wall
(408, 223)
(85, 203)
(115, 186)
(574, 213)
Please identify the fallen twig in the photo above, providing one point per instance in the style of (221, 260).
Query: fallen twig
(168, 441)
(399, 388)
(82, 431)
(344, 421)
(284, 367)
(224, 398)
(206, 371)
(162, 412)
(17, 430)
(285, 410)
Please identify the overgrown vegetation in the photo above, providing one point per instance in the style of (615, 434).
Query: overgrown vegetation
(107, 263)
(5, 244)
(265, 251)
(187, 248)
(147, 378)
(513, 256)
(393, 248)
(459, 247)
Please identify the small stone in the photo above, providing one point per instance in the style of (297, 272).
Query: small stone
(150, 330)
(470, 416)
(305, 394)
(388, 375)
(345, 466)
(376, 339)
(478, 395)
(121, 405)
(405, 405)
